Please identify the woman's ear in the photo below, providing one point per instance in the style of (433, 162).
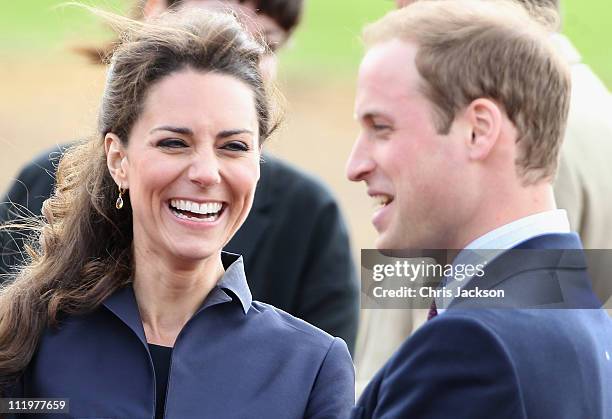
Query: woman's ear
(116, 160)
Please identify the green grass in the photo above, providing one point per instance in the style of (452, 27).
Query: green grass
(326, 44)
(329, 38)
(33, 25)
(587, 24)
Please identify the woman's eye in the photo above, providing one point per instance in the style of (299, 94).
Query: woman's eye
(236, 146)
(172, 143)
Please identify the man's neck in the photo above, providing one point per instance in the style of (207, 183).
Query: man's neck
(499, 211)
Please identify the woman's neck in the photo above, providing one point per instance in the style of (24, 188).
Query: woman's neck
(168, 294)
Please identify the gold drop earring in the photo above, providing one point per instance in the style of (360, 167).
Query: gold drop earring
(119, 203)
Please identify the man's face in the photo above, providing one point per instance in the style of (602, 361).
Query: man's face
(414, 173)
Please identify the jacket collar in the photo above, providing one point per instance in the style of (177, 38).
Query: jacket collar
(549, 251)
(234, 279)
(123, 305)
(123, 302)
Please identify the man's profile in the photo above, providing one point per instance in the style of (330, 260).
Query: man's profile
(463, 106)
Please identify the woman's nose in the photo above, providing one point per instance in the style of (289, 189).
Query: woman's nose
(204, 169)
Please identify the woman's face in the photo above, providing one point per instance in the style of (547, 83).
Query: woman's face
(191, 165)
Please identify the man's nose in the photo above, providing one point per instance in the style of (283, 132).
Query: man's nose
(360, 162)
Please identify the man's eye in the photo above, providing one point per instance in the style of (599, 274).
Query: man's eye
(380, 127)
(172, 143)
(236, 146)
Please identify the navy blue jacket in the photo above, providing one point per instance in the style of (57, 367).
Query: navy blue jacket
(235, 358)
(472, 363)
(294, 242)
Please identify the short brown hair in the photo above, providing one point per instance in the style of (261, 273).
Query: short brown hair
(470, 49)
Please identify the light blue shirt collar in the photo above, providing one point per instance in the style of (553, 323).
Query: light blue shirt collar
(523, 229)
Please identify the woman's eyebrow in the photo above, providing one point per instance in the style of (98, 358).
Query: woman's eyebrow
(231, 132)
(178, 130)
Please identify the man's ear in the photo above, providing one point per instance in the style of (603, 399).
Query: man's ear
(153, 8)
(116, 160)
(485, 119)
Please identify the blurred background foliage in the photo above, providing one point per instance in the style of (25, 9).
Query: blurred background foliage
(327, 43)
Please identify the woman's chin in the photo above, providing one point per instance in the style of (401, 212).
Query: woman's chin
(193, 254)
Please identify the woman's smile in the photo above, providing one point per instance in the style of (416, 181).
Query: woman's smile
(200, 213)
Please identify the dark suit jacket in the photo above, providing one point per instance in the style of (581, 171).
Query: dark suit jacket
(506, 363)
(294, 242)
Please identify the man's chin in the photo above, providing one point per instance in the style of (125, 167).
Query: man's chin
(386, 241)
(395, 241)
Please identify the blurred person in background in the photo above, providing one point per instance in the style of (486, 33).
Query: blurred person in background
(582, 188)
(129, 307)
(295, 242)
(462, 106)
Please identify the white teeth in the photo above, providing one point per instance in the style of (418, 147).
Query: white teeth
(381, 200)
(211, 208)
(200, 220)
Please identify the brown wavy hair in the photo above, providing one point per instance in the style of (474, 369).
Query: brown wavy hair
(83, 251)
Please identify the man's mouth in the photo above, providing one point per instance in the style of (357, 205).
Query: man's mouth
(382, 200)
(194, 211)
